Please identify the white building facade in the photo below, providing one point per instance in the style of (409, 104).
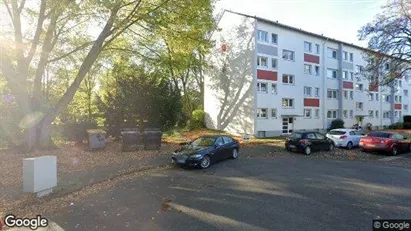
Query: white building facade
(298, 81)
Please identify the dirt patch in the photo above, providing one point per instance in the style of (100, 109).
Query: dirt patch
(72, 160)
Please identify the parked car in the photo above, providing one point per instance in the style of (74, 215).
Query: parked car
(307, 142)
(205, 150)
(344, 137)
(389, 142)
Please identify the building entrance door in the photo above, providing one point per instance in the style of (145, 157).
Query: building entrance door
(288, 125)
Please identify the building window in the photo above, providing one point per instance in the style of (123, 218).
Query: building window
(332, 53)
(274, 38)
(345, 55)
(399, 83)
(288, 103)
(307, 113)
(307, 69)
(274, 113)
(406, 78)
(400, 114)
(405, 107)
(317, 48)
(274, 88)
(360, 69)
(351, 57)
(307, 91)
(371, 113)
(386, 115)
(352, 76)
(387, 98)
(317, 70)
(331, 73)
(317, 113)
(288, 79)
(345, 94)
(359, 106)
(396, 114)
(288, 55)
(405, 92)
(345, 113)
(396, 98)
(262, 113)
(377, 98)
(345, 74)
(376, 114)
(351, 114)
(351, 94)
(332, 94)
(359, 87)
(262, 61)
(400, 99)
(307, 47)
(262, 87)
(387, 66)
(262, 36)
(332, 114)
(371, 96)
(274, 63)
(317, 92)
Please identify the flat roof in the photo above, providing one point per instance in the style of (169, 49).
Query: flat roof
(308, 33)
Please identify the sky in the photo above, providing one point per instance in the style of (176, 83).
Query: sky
(338, 19)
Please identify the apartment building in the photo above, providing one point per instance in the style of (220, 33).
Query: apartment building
(268, 79)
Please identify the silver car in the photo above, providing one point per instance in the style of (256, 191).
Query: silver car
(345, 137)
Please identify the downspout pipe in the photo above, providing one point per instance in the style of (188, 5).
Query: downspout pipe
(324, 90)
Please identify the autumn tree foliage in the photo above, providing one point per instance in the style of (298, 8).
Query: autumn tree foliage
(389, 37)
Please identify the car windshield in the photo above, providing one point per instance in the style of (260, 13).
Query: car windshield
(336, 132)
(203, 142)
(379, 134)
(296, 135)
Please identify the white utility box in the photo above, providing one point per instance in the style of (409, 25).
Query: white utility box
(39, 174)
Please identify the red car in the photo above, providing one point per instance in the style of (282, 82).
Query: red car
(389, 142)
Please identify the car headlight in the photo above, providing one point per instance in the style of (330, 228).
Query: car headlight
(196, 156)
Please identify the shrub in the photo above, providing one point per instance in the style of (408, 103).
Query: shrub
(407, 118)
(197, 120)
(337, 123)
(407, 125)
(396, 126)
(78, 131)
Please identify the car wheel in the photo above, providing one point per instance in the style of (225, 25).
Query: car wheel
(205, 162)
(331, 147)
(349, 145)
(394, 151)
(307, 150)
(234, 154)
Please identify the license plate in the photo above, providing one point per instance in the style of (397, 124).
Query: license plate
(292, 146)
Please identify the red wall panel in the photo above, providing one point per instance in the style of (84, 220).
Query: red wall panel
(311, 58)
(311, 102)
(267, 75)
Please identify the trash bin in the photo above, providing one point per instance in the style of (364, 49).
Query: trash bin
(131, 139)
(152, 138)
(96, 139)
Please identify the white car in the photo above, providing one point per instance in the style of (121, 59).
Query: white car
(344, 137)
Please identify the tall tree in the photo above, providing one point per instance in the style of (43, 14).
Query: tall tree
(24, 60)
(389, 36)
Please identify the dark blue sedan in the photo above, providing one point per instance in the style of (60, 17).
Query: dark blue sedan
(205, 150)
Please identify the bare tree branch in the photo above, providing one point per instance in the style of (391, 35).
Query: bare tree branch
(23, 2)
(37, 34)
(70, 52)
(8, 10)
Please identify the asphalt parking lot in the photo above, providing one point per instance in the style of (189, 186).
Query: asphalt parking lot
(281, 192)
